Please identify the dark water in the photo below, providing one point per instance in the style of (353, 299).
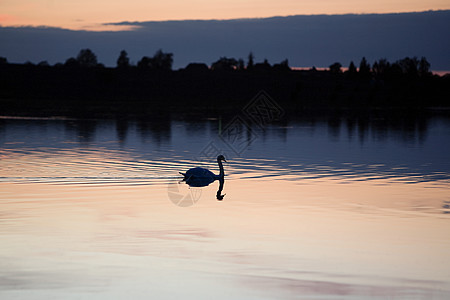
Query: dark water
(314, 207)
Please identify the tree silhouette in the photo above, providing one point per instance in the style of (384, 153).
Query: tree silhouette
(123, 61)
(424, 67)
(71, 63)
(3, 60)
(43, 63)
(263, 67)
(282, 66)
(145, 63)
(336, 68)
(352, 69)
(250, 62)
(409, 66)
(381, 67)
(162, 61)
(364, 68)
(240, 64)
(87, 58)
(197, 67)
(225, 63)
(395, 70)
(159, 61)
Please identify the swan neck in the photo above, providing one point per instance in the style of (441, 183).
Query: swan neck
(221, 173)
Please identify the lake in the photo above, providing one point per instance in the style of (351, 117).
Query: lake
(335, 207)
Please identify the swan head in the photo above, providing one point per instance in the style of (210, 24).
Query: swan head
(221, 157)
(220, 196)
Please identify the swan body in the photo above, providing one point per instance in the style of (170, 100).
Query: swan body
(198, 177)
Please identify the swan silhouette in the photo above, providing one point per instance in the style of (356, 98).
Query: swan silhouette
(198, 177)
(219, 195)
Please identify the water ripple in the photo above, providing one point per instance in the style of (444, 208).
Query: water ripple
(99, 165)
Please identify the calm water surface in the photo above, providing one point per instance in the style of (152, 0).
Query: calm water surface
(314, 209)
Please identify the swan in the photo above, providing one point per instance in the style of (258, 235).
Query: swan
(198, 177)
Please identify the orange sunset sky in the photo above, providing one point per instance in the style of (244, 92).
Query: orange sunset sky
(89, 14)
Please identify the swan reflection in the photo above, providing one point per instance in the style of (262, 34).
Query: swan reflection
(200, 177)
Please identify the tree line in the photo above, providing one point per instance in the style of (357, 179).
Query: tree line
(382, 68)
(163, 61)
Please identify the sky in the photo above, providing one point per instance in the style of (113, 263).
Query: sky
(92, 14)
(306, 41)
(321, 33)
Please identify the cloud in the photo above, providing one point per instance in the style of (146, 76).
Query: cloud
(109, 27)
(318, 40)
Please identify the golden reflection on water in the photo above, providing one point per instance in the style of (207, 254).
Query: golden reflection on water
(268, 238)
(98, 222)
